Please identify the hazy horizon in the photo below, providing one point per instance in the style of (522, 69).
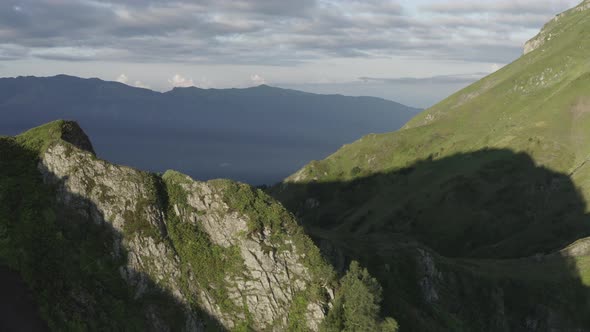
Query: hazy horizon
(412, 52)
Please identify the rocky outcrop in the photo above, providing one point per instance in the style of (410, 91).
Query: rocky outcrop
(265, 278)
(577, 249)
(117, 197)
(546, 35)
(274, 272)
(534, 43)
(429, 276)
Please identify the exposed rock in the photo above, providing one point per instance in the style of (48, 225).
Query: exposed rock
(545, 35)
(125, 199)
(73, 134)
(429, 276)
(534, 43)
(578, 248)
(115, 196)
(274, 272)
(312, 203)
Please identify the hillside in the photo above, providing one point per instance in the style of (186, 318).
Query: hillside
(107, 247)
(463, 212)
(258, 135)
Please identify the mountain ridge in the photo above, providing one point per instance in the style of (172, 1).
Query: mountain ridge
(258, 134)
(193, 88)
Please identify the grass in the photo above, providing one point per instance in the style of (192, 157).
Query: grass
(534, 97)
(497, 171)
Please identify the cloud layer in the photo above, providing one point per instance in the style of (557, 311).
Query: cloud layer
(412, 51)
(268, 31)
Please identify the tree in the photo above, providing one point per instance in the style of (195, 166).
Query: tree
(356, 306)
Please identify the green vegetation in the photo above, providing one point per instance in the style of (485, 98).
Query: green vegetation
(208, 263)
(136, 220)
(65, 261)
(535, 105)
(491, 203)
(457, 220)
(266, 213)
(38, 139)
(68, 261)
(494, 173)
(212, 264)
(356, 306)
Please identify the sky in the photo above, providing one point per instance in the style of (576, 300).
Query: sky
(412, 51)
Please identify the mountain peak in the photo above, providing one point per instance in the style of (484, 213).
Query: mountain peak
(69, 131)
(72, 133)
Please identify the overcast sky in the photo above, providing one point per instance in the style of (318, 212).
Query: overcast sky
(412, 51)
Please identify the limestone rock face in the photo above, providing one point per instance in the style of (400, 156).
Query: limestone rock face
(116, 196)
(273, 274)
(546, 35)
(534, 43)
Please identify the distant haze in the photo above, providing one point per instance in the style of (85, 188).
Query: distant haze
(257, 135)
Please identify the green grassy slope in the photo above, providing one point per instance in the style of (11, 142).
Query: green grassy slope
(539, 104)
(489, 178)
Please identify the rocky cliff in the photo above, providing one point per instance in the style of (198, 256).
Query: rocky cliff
(550, 31)
(193, 255)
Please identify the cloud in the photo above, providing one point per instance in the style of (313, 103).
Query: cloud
(122, 79)
(140, 84)
(10, 51)
(271, 32)
(181, 82)
(499, 6)
(257, 79)
(442, 79)
(496, 67)
(205, 83)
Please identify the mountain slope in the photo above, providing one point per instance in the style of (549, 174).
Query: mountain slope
(258, 135)
(492, 181)
(521, 108)
(108, 247)
(536, 104)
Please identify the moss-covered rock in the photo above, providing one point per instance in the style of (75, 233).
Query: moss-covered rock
(167, 252)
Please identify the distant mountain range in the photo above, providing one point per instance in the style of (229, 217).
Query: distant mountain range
(257, 135)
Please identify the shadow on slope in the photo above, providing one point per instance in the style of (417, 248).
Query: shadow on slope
(499, 215)
(19, 311)
(71, 264)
